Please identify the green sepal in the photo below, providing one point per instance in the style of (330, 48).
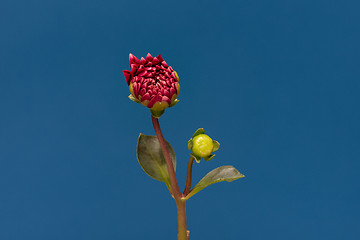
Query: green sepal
(209, 157)
(174, 102)
(199, 131)
(197, 158)
(131, 97)
(220, 174)
(177, 76)
(157, 114)
(190, 144)
(151, 158)
(216, 145)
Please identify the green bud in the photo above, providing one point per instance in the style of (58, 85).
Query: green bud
(202, 145)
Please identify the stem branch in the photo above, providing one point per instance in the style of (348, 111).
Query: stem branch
(188, 177)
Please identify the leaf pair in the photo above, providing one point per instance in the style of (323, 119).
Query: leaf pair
(152, 161)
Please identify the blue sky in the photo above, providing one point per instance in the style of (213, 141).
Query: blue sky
(275, 82)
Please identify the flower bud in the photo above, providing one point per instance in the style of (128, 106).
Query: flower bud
(202, 146)
(152, 83)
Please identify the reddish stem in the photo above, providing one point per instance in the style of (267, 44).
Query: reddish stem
(180, 203)
(188, 177)
(169, 164)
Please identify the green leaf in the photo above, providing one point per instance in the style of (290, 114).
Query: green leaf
(197, 158)
(216, 145)
(131, 97)
(208, 158)
(151, 158)
(190, 144)
(199, 131)
(220, 174)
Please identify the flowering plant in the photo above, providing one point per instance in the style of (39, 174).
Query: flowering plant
(154, 84)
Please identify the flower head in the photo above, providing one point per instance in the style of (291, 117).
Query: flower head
(152, 83)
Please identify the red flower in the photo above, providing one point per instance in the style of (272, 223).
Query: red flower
(152, 83)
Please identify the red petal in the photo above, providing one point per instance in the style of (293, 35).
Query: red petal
(152, 102)
(128, 76)
(145, 97)
(155, 61)
(141, 69)
(142, 92)
(166, 99)
(142, 61)
(144, 85)
(164, 64)
(167, 74)
(149, 58)
(133, 59)
(160, 58)
(136, 89)
(134, 67)
(172, 92)
(142, 74)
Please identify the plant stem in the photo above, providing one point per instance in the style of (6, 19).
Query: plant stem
(169, 164)
(180, 202)
(188, 177)
(181, 211)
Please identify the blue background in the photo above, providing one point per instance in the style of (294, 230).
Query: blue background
(275, 82)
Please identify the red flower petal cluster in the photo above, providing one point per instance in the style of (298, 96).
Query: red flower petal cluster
(152, 82)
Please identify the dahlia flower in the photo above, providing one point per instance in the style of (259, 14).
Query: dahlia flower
(152, 83)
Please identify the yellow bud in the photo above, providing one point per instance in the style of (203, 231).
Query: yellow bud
(202, 145)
